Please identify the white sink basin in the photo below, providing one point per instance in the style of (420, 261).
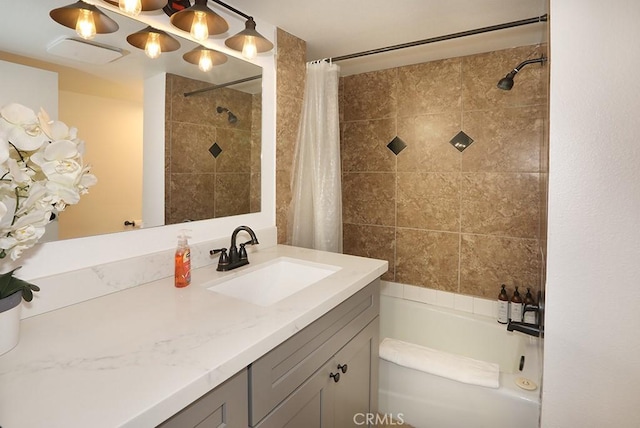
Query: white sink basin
(273, 281)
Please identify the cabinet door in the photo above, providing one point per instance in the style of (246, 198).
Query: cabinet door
(224, 407)
(356, 393)
(305, 407)
(282, 370)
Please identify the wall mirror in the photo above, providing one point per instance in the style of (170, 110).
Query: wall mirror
(211, 140)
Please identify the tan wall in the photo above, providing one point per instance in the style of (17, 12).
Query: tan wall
(460, 222)
(200, 185)
(112, 131)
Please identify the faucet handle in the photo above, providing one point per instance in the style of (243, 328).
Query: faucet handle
(242, 254)
(223, 260)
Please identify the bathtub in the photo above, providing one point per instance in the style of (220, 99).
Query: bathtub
(428, 401)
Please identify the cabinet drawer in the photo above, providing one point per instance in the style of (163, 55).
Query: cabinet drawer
(279, 372)
(225, 406)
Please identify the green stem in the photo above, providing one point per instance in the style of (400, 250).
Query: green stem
(17, 151)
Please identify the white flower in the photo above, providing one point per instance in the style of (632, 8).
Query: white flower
(41, 172)
(22, 127)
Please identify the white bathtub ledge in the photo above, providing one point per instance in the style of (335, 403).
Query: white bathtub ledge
(439, 363)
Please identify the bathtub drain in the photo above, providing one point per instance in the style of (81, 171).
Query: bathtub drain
(525, 383)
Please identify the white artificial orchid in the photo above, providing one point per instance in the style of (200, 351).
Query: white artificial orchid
(41, 172)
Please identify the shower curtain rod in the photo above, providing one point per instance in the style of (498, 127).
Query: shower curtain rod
(535, 20)
(223, 85)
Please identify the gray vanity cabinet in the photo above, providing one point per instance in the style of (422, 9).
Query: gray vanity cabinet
(356, 392)
(325, 374)
(223, 407)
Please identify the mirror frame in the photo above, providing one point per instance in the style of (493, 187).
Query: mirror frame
(52, 258)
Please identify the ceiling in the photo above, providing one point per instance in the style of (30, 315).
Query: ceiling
(330, 28)
(337, 27)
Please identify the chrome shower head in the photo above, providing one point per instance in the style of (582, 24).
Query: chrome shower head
(506, 83)
(232, 118)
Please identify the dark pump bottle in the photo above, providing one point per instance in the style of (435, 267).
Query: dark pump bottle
(530, 316)
(515, 307)
(503, 306)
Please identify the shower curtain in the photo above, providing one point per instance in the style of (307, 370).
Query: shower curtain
(315, 214)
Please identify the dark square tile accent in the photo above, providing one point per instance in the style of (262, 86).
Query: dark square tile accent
(215, 150)
(396, 145)
(461, 141)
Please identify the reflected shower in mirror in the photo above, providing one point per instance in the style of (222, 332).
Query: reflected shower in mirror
(211, 151)
(104, 97)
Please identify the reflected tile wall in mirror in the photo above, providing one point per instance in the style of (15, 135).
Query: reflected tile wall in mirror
(224, 184)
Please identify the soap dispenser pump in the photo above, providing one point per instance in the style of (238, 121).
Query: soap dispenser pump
(503, 306)
(530, 317)
(183, 261)
(515, 307)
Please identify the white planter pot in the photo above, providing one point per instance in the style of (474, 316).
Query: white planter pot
(10, 322)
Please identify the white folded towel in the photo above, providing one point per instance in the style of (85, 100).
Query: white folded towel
(451, 366)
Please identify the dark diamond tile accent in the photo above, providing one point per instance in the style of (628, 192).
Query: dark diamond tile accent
(461, 141)
(215, 150)
(396, 145)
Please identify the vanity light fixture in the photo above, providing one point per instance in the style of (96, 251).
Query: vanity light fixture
(85, 18)
(134, 7)
(153, 41)
(200, 21)
(204, 58)
(249, 41)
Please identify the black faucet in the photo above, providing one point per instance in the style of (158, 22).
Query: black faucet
(537, 329)
(235, 258)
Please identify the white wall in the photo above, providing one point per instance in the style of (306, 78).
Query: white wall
(592, 343)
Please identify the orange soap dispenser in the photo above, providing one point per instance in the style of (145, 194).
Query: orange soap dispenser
(183, 261)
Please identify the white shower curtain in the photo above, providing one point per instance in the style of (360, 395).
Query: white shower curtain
(315, 215)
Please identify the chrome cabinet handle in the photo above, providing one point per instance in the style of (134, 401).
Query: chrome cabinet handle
(343, 368)
(335, 377)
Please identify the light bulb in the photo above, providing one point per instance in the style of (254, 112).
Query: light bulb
(249, 49)
(130, 7)
(152, 47)
(85, 26)
(205, 63)
(199, 29)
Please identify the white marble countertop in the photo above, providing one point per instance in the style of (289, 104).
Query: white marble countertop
(135, 357)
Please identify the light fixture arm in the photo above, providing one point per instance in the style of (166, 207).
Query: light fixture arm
(232, 9)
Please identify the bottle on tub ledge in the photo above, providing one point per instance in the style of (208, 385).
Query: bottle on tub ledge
(516, 306)
(503, 306)
(530, 316)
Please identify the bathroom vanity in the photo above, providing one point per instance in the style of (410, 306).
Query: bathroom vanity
(153, 354)
(320, 377)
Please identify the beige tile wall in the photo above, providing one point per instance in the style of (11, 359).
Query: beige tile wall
(222, 186)
(460, 222)
(290, 62)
